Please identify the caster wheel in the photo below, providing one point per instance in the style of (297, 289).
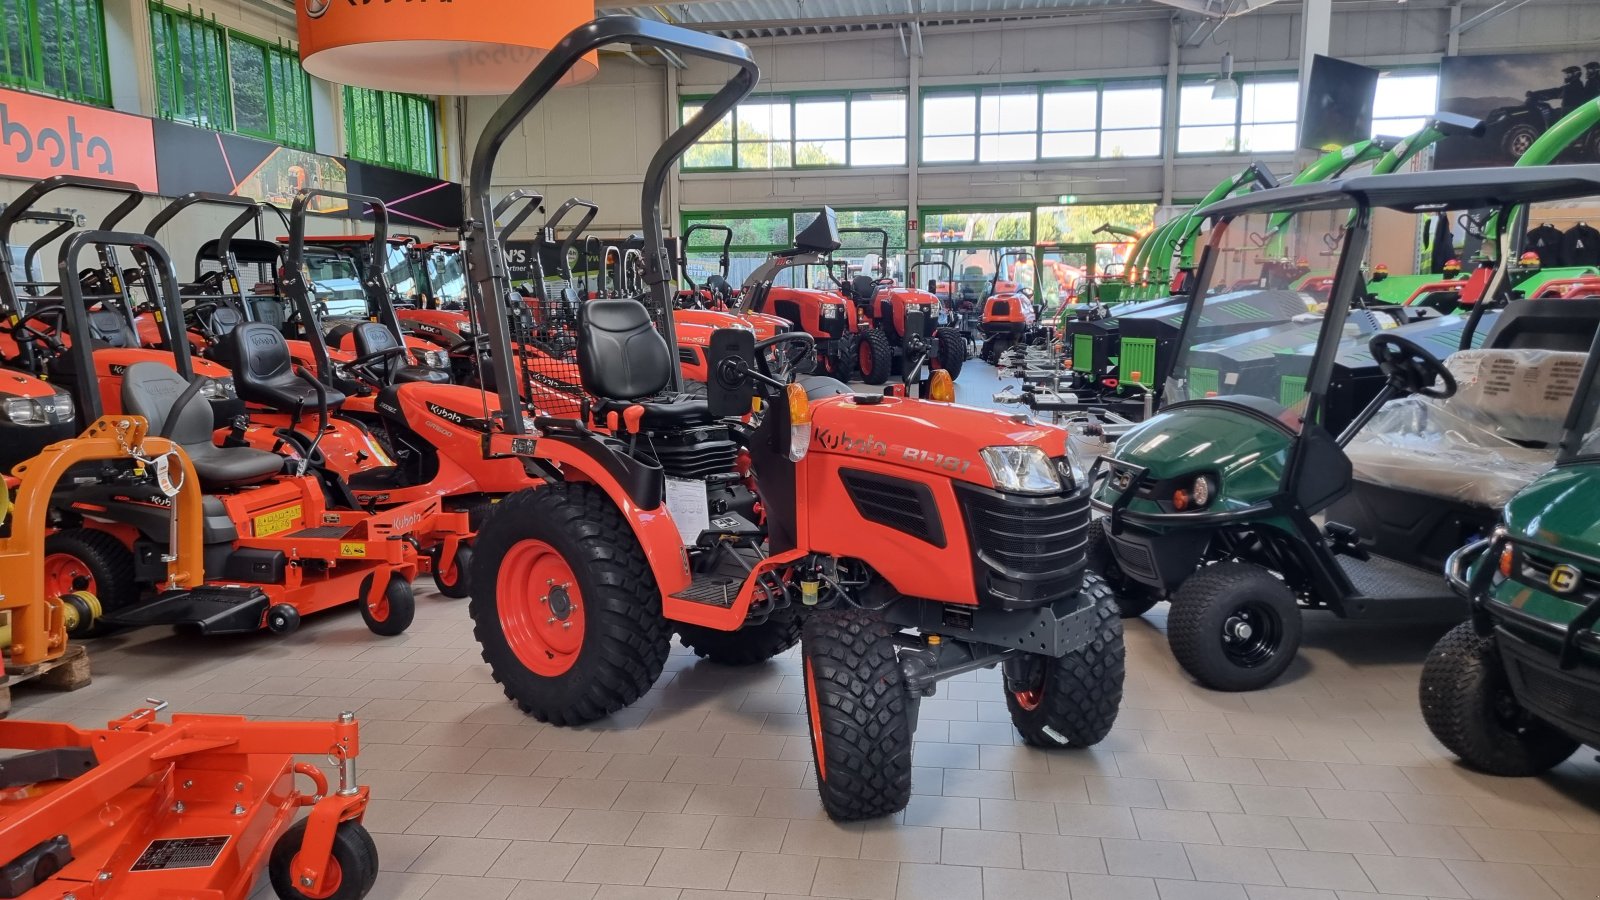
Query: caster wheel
(351, 871)
(283, 619)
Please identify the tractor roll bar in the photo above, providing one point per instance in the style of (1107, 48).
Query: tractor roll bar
(534, 199)
(76, 314)
(486, 259)
(590, 210)
(724, 260)
(64, 224)
(372, 280)
(30, 198)
(250, 211)
(883, 255)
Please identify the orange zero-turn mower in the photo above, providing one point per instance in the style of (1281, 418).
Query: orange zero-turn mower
(191, 808)
(276, 546)
(901, 541)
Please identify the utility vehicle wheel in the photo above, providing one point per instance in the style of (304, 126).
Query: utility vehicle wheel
(1518, 139)
(952, 351)
(860, 714)
(391, 613)
(94, 562)
(458, 584)
(1234, 626)
(1134, 598)
(564, 605)
(1073, 701)
(351, 873)
(874, 360)
(749, 645)
(1468, 705)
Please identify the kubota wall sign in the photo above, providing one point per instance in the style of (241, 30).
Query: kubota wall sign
(443, 47)
(41, 136)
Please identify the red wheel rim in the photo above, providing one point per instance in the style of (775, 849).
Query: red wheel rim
(1029, 700)
(63, 573)
(815, 712)
(378, 607)
(331, 879)
(541, 608)
(865, 355)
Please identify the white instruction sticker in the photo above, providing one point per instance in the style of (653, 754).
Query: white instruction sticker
(690, 508)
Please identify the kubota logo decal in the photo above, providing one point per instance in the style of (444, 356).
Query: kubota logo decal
(448, 415)
(841, 441)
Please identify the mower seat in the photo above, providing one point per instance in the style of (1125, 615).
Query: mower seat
(371, 337)
(224, 319)
(263, 371)
(150, 390)
(622, 359)
(108, 328)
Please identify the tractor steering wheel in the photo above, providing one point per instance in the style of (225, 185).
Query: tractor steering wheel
(467, 345)
(1410, 368)
(363, 364)
(55, 313)
(783, 366)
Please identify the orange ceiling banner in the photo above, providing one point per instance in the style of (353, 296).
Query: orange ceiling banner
(41, 136)
(444, 47)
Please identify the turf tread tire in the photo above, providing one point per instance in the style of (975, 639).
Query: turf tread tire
(879, 352)
(626, 638)
(750, 645)
(864, 711)
(952, 351)
(1133, 599)
(1460, 679)
(1195, 634)
(1083, 689)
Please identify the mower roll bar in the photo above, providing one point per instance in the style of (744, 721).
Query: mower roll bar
(883, 255)
(486, 256)
(372, 280)
(21, 209)
(63, 224)
(590, 210)
(153, 258)
(251, 211)
(949, 272)
(532, 200)
(724, 260)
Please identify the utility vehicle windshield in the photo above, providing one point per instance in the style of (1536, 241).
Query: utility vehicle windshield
(336, 282)
(1259, 314)
(447, 276)
(404, 276)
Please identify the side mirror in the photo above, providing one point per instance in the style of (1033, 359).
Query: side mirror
(729, 386)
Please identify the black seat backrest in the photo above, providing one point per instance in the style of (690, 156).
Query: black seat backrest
(109, 328)
(621, 356)
(150, 389)
(371, 337)
(258, 353)
(863, 287)
(1546, 325)
(224, 319)
(717, 284)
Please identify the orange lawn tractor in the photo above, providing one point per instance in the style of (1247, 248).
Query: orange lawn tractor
(902, 541)
(1010, 317)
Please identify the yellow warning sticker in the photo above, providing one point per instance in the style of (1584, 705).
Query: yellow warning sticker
(279, 520)
(352, 548)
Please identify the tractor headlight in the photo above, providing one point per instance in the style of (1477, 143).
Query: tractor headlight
(436, 359)
(1200, 492)
(830, 311)
(23, 411)
(218, 389)
(1021, 470)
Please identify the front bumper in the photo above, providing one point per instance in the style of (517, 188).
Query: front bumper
(1064, 626)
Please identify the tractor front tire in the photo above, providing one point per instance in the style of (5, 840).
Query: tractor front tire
(1234, 626)
(1134, 599)
(874, 359)
(951, 352)
(565, 606)
(1073, 701)
(860, 714)
(749, 645)
(1468, 705)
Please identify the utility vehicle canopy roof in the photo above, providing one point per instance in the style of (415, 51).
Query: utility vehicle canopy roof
(1422, 191)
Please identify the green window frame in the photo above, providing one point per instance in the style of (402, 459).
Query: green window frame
(1262, 119)
(1042, 122)
(212, 77)
(399, 131)
(56, 47)
(806, 130)
(758, 233)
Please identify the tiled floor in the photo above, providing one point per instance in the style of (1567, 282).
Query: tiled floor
(1326, 787)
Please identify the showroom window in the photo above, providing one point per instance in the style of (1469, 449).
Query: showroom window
(1024, 123)
(758, 233)
(1261, 119)
(803, 131)
(210, 76)
(388, 129)
(1405, 99)
(56, 47)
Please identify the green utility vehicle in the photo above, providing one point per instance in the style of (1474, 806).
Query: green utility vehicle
(1211, 503)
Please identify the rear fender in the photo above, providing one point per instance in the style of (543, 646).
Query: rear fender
(653, 528)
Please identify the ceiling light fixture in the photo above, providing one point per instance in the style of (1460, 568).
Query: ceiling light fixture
(1223, 87)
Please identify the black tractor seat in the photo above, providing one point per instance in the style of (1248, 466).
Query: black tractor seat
(151, 390)
(820, 387)
(623, 361)
(374, 337)
(263, 371)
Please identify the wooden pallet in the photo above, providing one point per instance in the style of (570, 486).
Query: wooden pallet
(67, 672)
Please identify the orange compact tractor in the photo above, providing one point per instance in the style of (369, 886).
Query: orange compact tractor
(901, 541)
(907, 319)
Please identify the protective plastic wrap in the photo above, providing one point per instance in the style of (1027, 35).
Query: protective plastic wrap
(1497, 434)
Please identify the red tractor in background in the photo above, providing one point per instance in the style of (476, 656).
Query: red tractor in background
(905, 320)
(713, 304)
(846, 346)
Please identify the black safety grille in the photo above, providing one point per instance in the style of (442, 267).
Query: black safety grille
(833, 327)
(1135, 559)
(688, 456)
(895, 503)
(1555, 696)
(1030, 536)
(689, 355)
(1535, 572)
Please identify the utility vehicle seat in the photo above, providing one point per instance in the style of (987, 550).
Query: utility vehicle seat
(151, 389)
(371, 337)
(623, 359)
(263, 371)
(109, 328)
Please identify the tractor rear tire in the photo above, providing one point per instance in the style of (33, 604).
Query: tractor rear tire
(1134, 599)
(1234, 626)
(874, 358)
(749, 645)
(860, 714)
(619, 641)
(1075, 700)
(96, 562)
(952, 351)
(1468, 705)
(355, 854)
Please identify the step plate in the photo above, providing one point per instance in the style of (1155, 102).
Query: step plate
(211, 610)
(712, 590)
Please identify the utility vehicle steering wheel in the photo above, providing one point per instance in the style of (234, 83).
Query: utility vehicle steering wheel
(789, 361)
(1409, 367)
(55, 314)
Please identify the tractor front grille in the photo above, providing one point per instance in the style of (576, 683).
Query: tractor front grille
(1028, 550)
(905, 506)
